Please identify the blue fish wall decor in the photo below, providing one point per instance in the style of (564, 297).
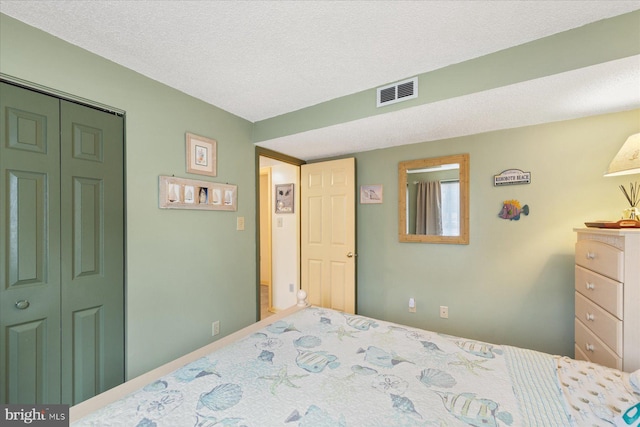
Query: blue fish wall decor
(511, 210)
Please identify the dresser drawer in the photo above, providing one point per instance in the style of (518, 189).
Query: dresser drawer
(607, 327)
(601, 258)
(607, 293)
(594, 349)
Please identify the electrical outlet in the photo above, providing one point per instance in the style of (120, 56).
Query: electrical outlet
(412, 305)
(215, 328)
(444, 311)
(290, 287)
(240, 223)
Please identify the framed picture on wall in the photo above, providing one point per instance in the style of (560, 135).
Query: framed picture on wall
(370, 194)
(201, 155)
(284, 198)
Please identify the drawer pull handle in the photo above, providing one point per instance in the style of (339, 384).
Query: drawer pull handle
(590, 286)
(590, 316)
(589, 347)
(591, 255)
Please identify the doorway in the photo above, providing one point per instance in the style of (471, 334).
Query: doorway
(326, 223)
(265, 206)
(279, 233)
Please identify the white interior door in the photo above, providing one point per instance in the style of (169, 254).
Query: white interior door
(328, 252)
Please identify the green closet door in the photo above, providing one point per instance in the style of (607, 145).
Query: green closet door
(92, 230)
(61, 249)
(29, 247)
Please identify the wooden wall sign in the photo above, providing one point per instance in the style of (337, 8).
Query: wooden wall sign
(511, 177)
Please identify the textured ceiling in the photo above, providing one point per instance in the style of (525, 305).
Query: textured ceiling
(605, 88)
(261, 59)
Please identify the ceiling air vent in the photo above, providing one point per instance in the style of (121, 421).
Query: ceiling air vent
(397, 92)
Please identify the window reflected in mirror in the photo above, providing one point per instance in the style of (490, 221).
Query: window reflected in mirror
(433, 200)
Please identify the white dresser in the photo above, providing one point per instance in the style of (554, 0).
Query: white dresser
(607, 282)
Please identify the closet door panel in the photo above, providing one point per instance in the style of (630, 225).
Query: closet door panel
(25, 361)
(88, 352)
(30, 247)
(88, 224)
(92, 251)
(27, 221)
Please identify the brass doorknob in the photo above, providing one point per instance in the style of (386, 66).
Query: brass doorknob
(351, 255)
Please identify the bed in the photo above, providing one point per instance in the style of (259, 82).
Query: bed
(312, 366)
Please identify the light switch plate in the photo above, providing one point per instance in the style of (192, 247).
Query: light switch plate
(444, 311)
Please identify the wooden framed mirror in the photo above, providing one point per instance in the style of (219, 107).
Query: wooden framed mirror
(433, 200)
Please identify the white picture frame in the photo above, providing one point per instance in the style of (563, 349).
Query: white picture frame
(201, 155)
(371, 194)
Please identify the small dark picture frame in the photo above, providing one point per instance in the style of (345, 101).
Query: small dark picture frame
(284, 198)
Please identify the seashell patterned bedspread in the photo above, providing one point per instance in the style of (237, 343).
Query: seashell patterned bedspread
(320, 367)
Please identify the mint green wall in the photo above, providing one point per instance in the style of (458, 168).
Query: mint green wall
(513, 283)
(183, 268)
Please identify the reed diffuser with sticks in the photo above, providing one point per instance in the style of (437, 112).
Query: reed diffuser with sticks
(633, 197)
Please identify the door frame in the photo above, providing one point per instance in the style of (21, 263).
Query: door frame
(35, 87)
(265, 152)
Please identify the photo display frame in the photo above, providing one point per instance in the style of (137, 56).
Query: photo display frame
(201, 155)
(182, 193)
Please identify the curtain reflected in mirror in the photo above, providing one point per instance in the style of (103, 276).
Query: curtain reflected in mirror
(428, 208)
(433, 200)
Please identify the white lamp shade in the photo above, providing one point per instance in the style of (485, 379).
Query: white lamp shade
(627, 161)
